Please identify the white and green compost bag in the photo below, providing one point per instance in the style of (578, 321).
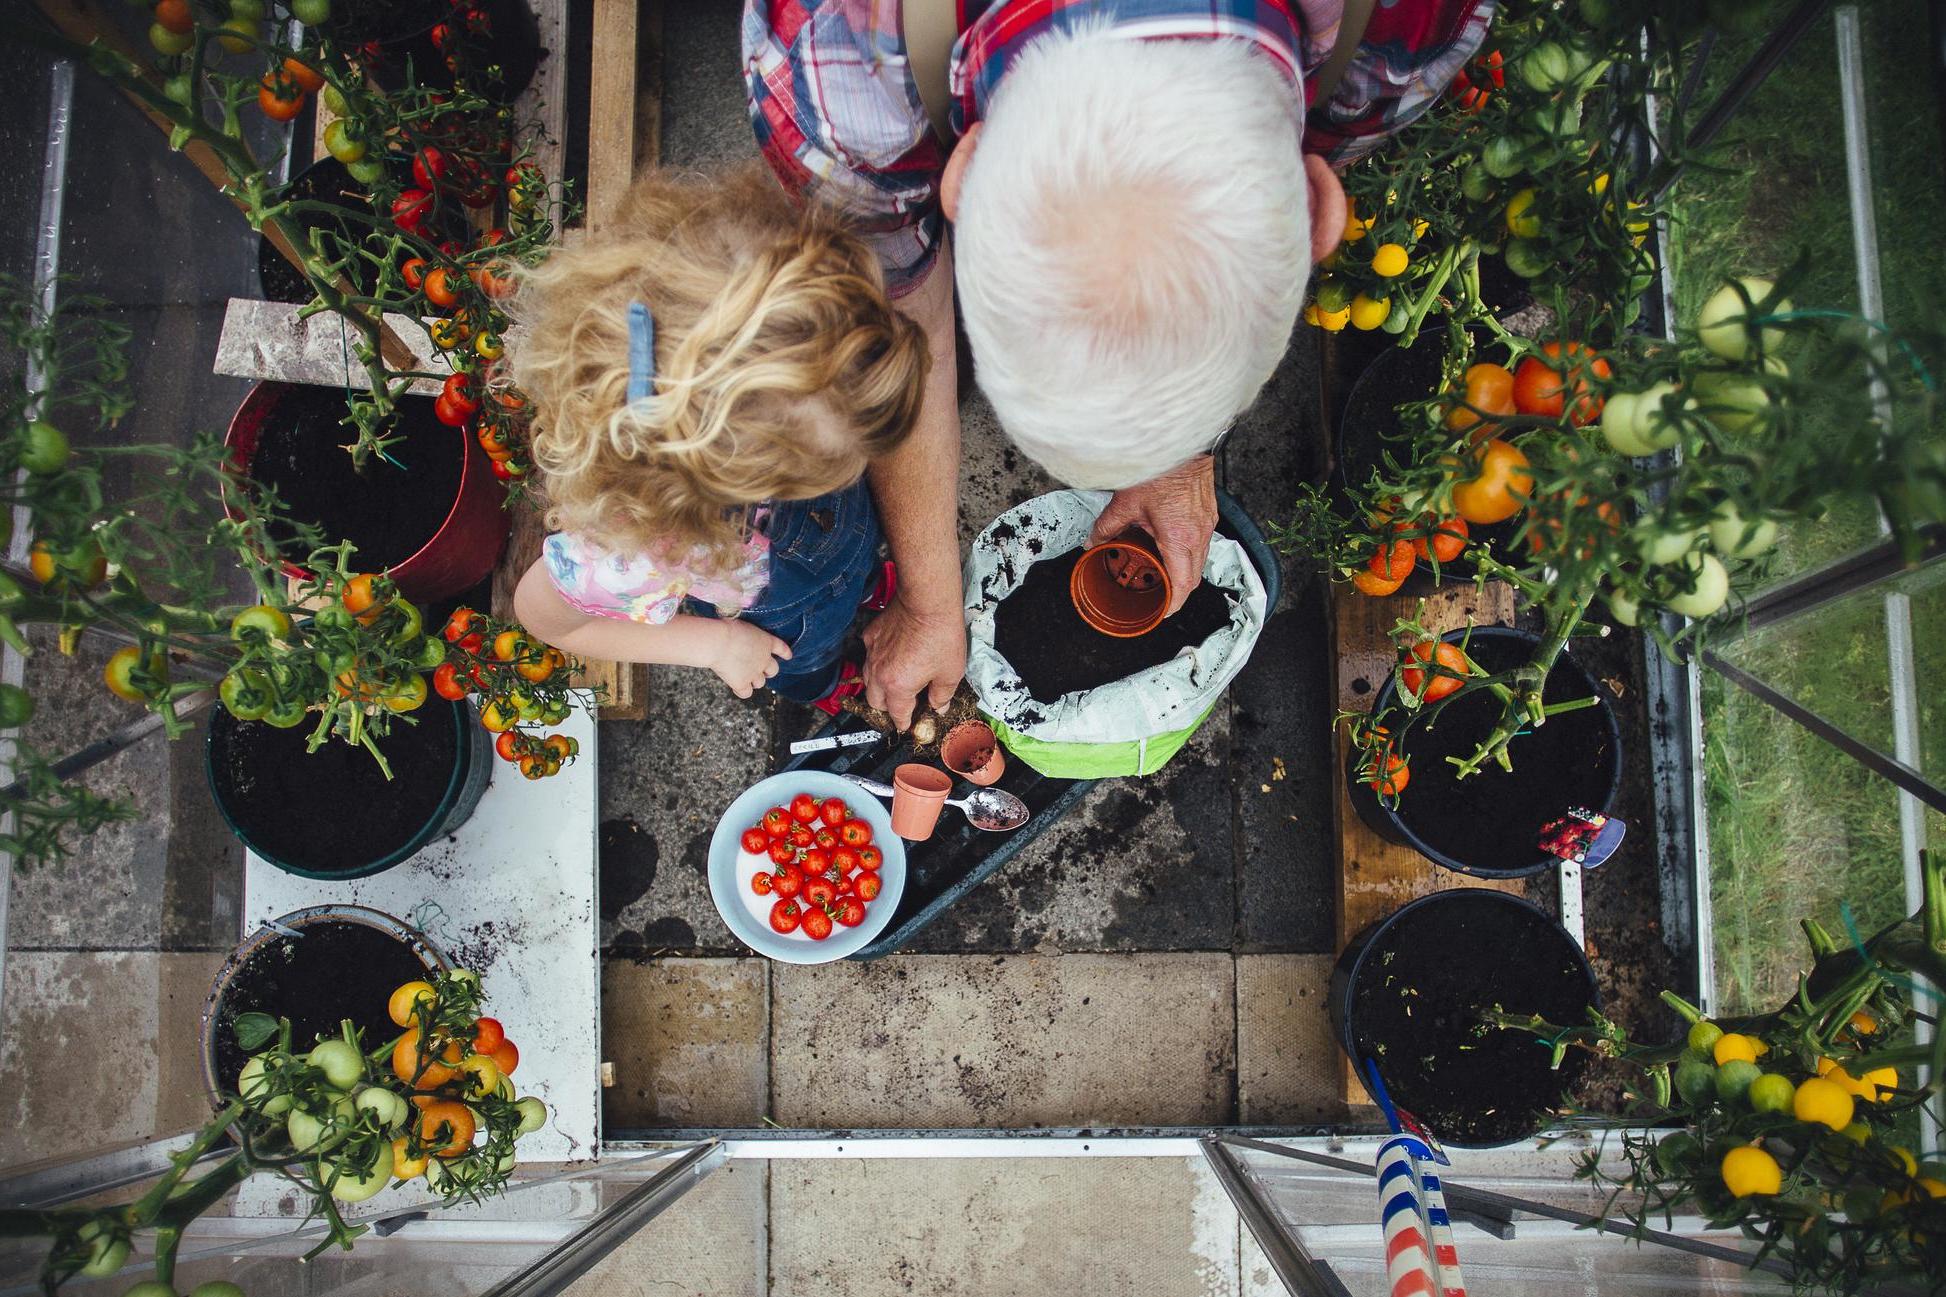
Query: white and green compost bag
(1130, 726)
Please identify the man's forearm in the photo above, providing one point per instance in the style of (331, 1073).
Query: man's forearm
(917, 487)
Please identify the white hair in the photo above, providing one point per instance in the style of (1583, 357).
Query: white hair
(1133, 240)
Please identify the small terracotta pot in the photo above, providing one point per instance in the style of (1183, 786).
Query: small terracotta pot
(918, 794)
(1119, 587)
(971, 752)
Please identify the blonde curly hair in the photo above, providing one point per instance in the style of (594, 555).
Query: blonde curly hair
(782, 369)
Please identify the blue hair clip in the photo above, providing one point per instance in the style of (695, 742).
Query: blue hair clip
(641, 353)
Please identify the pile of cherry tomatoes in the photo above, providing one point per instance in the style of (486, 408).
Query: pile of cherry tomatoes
(826, 866)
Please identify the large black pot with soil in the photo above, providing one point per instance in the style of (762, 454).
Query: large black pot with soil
(317, 967)
(396, 41)
(1489, 823)
(332, 814)
(1371, 427)
(1411, 993)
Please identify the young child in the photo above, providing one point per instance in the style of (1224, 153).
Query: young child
(711, 370)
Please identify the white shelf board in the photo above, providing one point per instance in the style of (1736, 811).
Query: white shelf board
(512, 896)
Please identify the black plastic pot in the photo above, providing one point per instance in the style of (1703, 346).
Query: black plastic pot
(1409, 992)
(1371, 427)
(332, 814)
(397, 41)
(1489, 823)
(324, 181)
(317, 967)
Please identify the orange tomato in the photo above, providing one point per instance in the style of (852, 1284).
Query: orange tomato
(506, 1057)
(306, 76)
(487, 1036)
(1448, 538)
(1369, 582)
(1489, 391)
(404, 1166)
(509, 645)
(361, 598)
(1541, 386)
(1500, 485)
(1431, 688)
(405, 1063)
(438, 288)
(457, 1121)
(1549, 529)
(279, 97)
(174, 15)
(1392, 773)
(1393, 562)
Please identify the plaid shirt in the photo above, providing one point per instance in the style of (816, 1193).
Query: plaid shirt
(838, 117)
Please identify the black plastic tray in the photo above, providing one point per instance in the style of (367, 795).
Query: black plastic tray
(957, 857)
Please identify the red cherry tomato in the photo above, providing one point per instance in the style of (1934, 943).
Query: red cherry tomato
(870, 857)
(834, 811)
(410, 209)
(429, 168)
(804, 808)
(777, 821)
(786, 915)
(756, 842)
(819, 891)
(458, 388)
(824, 838)
(760, 883)
(781, 852)
(788, 881)
(511, 745)
(800, 835)
(816, 861)
(413, 272)
(855, 833)
(866, 883)
(817, 924)
(449, 414)
(844, 860)
(850, 912)
(446, 682)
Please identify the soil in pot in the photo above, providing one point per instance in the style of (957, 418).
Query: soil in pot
(387, 511)
(353, 22)
(1417, 1004)
(336, 970)
(1038, 631)
(324, 181)
(331, 810)
(1493, 819)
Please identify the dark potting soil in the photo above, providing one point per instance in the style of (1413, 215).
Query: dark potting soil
(331, 810)
(1417, 1004)
(1038, 631)
(336, 970)
(389, 513)
(1493, 819)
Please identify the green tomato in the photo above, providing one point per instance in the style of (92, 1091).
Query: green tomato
(410, 623)
(287, 714)
(239, 34)
(1703, 1036)
(1597, 13)
(312, 13)
(260, 622)
(1504, 157)
(1734, 536)
(1331, 295)
(310, 1132)
(343, 1066)
(216, 1288)
(339, 142)
(1734, 401)
(533, 1115)
(1624, 609)
(465, 977)
(180, 89)
(1724, 325)
(1651, 424)
(150, 1288)
(332, 617)
(1524, 258)
(1618, 426)
(1560, 120)
(390, 1110)
(1695, 1081)
(251, 9)
(16, 706)
(254, 1086)
(1734, 1079)
(366, 171)
(1547, 67)
(1665, 545)
(1476, 182)
(349, 1186)
(107, 1252)
(432, 653)
(245, 694)
(1709, 587)
(1771, 1093)
(1675, 1152)
(170, 43)
(333, 98)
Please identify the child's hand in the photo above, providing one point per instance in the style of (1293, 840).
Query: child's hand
(749, 657)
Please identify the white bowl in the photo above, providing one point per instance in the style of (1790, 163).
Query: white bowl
(725, 888)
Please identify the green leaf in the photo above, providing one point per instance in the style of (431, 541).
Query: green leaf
(254, 1030)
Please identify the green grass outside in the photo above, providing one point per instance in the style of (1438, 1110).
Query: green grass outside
(1795, 827)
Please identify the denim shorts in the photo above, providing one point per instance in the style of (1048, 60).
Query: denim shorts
(823, 555)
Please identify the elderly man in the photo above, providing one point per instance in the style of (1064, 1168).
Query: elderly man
(1138, 190)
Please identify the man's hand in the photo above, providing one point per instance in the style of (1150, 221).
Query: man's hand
(908, 653)
(1179, 510)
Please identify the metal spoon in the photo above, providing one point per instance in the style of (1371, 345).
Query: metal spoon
(992, 809)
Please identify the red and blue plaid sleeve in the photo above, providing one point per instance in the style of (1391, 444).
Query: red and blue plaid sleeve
(1408, 56)
(838, 119)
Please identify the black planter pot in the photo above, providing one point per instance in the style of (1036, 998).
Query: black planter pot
(332, 814)
(1409, 993)
(1370, 427)
(398, 44)
(317, 967)
(1489, 823)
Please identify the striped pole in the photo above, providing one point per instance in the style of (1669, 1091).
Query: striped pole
(1420, 1258)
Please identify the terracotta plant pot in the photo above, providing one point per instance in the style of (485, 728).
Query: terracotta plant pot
(918, 794)
(1119, 587)
(449, 497)
(971, 752)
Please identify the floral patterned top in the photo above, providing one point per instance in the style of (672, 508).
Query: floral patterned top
(646, 588)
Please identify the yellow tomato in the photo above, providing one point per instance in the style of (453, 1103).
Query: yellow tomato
(1369, 313)
(1355, 229)
(1750, 1172)
(405, 1167)
(400, 1005)
(1389, 261)
(1822, 1101)
(1731, 1046)
(1334, 321)
(1523, 222)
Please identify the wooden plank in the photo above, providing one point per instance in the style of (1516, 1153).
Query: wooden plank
(1376, 877)
(611, 84)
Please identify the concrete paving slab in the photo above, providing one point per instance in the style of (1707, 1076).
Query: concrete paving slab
(1288, 1069)
(664, 782)
(711, 1242)
(705, 119)
(169, 878)
(133, 1015)
(1139, 864)
(994, 476)
(690, 1041)
(1104, 1227)
(951, 1041)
